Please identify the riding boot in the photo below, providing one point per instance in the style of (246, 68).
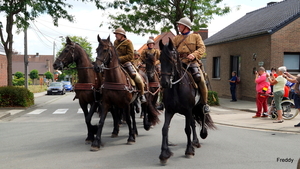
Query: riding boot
(202, 88)
(195, 71)
(128, 66)
(140, 85)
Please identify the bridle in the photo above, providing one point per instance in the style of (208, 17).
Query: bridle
(106, 59)
(173, 61)
(71, 52)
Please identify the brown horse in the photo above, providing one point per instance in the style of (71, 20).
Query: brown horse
(149, 108)
(180, 96)
(89, 81)
(117, 92)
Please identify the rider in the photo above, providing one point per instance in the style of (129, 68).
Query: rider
(151, 51)
(125, 51)
(191, 48)
(137, 62)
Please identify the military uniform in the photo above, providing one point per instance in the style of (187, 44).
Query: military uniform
(194, 45)
(125, 51)
(152, 51)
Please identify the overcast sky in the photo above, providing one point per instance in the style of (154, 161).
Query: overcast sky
(42, 34)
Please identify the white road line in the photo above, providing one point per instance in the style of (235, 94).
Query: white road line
(37, 111)
(79, 110)
(60, 111)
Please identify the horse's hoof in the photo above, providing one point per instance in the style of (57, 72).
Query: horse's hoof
(197, 145)
(94, 149)
(189, 155)
(130, 142)
(88, 142)
(163, 162)
(203, 134)
(114, 135)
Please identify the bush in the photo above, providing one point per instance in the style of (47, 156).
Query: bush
(15, 97)
(19, 81)
(213, 98)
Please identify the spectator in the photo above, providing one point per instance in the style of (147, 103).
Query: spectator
(273, 72)
(262, 92)
(278, 92)
(296, 95)
(232, 83)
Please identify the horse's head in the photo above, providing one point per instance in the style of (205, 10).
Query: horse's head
(104, 52)
(66, 56)
(169, 63)
(150, 61)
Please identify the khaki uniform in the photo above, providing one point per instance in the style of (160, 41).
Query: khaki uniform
(152, 51)
(125, 51)
(193, 44)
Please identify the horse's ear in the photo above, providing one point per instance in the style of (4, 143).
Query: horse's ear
(108, 38)
(161, 45)
(68, 40)
(170, 45)
(98, 37)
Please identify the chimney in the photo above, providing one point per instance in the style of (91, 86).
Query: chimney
(271, 3)
(151, 37)
(37, 55)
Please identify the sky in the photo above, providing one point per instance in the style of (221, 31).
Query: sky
(44, 38)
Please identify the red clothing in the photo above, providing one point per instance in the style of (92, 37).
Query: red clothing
(261, 104)
(286, 91)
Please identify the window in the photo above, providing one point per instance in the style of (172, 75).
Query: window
(216, 67)
(235, 65)
(292, 61)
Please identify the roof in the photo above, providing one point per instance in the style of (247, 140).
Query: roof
(41, 67)
(164, 36)
(265, 20)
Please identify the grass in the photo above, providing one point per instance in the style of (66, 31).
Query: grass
(37, 88)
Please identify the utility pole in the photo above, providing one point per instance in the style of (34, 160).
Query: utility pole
(25, 59)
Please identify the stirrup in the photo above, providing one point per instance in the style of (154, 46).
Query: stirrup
(206, 109)
(143, 99)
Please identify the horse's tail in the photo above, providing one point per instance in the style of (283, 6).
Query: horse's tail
(152, 113)
(199, 116)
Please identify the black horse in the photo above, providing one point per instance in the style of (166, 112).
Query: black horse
(180, 96)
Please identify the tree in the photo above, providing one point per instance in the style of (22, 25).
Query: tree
(17, 14)
(34, 74)
(19, 75)
(49, 75)
(87, 46)
(144, 16)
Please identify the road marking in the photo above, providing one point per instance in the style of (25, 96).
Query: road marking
(37, 111)
(60, 111)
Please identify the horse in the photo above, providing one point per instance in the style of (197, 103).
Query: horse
(149, 108)
(88, 83)
(180, 96)
(117, 92)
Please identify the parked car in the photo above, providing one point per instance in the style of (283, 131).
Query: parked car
(56, 88)
(68, 86)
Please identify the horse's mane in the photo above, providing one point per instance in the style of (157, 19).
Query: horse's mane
(114, 51)
(166, 50)
(88, 56)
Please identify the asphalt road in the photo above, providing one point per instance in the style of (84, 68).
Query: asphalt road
(56, 140)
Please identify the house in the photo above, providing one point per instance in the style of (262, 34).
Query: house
(42, 63)
(3, 67)
(267, 37)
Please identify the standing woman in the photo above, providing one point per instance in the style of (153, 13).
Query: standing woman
(278, 90)
(232, 83)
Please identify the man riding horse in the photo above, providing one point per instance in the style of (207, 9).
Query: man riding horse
(191, 48)
(125, 51)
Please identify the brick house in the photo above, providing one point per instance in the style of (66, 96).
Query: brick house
(42, 63)
(3, 67)
(267, 37)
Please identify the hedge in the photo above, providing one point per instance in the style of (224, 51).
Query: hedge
(11, 96)
(213, 98)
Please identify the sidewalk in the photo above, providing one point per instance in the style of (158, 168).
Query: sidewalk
(222, 114)
(243, 118)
